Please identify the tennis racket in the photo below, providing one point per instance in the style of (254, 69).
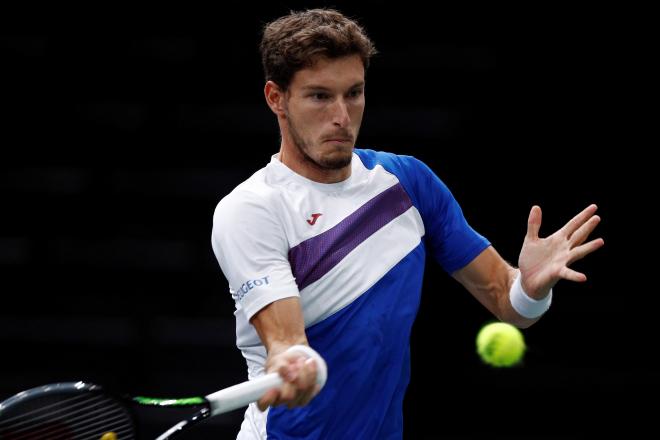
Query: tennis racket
(80, 410)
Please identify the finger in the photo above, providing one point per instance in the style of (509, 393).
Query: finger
(301, 385)
(571, 275)
(268, 399)
(577, 221)
(297, 401)
(302, 397)
(310, 396)
(288, 394)
(299, 390)
(307, 376)
(307, 382)
(534, 222)
(585, 249)
(289, 371)
(581, 234)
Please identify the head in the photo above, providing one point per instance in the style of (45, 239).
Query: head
(315, 63)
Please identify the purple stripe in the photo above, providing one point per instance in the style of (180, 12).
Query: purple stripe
(313, 258)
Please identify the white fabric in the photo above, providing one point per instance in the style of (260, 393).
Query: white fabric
(254, 424)
(525, 306)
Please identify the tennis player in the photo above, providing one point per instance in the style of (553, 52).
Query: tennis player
(326, 246)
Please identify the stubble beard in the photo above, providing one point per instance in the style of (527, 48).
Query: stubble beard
(335, 162)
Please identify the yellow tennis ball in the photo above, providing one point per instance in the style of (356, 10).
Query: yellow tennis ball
(500, 344)
(109, 436)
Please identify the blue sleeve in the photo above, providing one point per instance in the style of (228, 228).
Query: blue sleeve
(448, 236)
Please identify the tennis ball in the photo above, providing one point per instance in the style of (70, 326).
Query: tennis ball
(109, 436)
(500, 344)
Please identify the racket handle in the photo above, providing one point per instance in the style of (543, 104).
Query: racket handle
(243, 394)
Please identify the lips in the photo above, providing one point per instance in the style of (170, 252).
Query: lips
(339, 139)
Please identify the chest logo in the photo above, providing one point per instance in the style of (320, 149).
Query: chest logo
(312, 220)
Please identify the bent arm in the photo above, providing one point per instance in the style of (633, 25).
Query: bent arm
(280, 325)
(489, 279)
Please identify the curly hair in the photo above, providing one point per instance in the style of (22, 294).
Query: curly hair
(295, 41)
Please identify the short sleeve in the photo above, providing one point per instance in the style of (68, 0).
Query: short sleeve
(452, 241)
(252, 251)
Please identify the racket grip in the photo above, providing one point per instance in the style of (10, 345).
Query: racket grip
(243, 394)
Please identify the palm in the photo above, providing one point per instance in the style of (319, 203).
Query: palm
(544, 261)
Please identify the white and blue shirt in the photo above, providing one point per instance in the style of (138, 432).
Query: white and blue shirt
(354, 253)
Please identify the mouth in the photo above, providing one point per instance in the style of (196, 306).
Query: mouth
(340, 140)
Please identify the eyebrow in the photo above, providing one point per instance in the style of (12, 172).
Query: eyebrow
(323, 88)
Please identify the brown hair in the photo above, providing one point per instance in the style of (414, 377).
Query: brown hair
(295, 41)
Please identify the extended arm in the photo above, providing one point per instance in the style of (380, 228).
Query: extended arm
(542, 262)
(489, 279)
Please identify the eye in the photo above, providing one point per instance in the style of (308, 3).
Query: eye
(356, 93)
(320, 96)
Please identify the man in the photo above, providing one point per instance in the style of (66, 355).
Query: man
(326, 246)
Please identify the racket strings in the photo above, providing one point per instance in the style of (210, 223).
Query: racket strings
(95, 421)
(32, 415)
(78, 417)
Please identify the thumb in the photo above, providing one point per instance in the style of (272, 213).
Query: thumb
(534, 223)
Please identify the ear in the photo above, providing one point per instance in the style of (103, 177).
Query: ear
(275, 98)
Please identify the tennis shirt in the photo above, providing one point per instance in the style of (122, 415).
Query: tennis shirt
(354, 254)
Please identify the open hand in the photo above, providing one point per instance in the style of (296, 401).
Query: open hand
(544, 261)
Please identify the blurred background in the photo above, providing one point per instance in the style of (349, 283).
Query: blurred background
(122, 131)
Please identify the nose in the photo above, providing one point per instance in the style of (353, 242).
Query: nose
(340, 116)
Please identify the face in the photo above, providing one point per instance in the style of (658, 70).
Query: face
(323, 108)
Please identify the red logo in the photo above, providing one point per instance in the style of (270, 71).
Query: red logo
(312, 220)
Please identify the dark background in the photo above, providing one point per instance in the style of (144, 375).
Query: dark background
(122, 131)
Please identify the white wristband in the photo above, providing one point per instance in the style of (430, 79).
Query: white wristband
(525, 306)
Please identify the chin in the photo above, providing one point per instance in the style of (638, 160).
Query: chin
(337, 159)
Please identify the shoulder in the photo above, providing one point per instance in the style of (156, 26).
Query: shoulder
(426, 190)
(390, 161)
(252, 198)
(411, 172)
